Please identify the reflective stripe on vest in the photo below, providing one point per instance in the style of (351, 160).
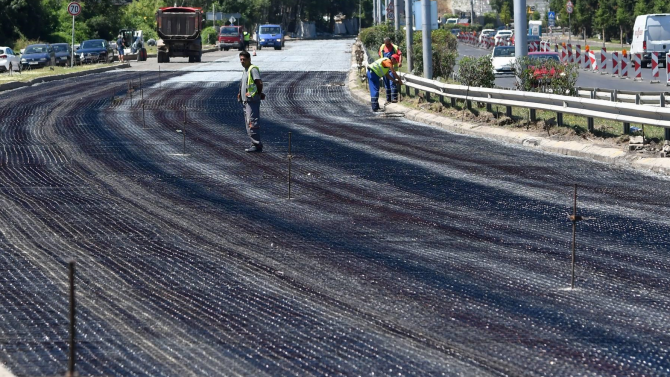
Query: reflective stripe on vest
(252, 89)
(378, 68)
(246, 36)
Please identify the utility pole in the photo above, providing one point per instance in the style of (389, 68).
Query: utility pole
(427, 46)
(409, 34)
(396, 20)
(520, 29)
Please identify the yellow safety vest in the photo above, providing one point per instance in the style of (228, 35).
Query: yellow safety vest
(252, 89)
(378, 68)
(246, 36)
(381, 53)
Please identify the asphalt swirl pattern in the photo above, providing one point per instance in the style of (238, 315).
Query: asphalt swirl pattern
(405, 250)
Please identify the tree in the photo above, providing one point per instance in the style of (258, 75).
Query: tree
(582, 17)
(603, 17)
(624, 17)
(505, 15)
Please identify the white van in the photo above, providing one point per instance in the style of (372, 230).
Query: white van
(651, 33)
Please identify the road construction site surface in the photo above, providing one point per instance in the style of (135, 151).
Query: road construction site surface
(404, 250)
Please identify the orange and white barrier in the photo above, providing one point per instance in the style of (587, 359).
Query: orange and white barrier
(587, 60)
(571, 58)
(615, 64)
(578, 55)
(637, 76)
(592, 59)
(603, 61)
(624, 65)
(564, 54)
(654, 68)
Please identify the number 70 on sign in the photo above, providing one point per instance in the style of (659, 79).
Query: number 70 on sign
(74, 8)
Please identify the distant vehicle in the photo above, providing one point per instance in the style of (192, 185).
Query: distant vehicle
(134, 42)
(455, 31)
(231, 36)
(95, 51)
(8, 60)
(651, 33)
(502, 59)
(502, 35)
(535, 28)
(64, 54)
(38, 55)
(180, 29)
(270, 36)
(543, 56)
(544, 72)
(529, 39)
(451, 21)
(487, 33)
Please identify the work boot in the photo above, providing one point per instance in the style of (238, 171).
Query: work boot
(254, 148)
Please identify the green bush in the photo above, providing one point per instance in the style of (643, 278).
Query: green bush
(551, 76)
(445, 52)
(209, 35)
(476, 71)
(59, 37)
(373, 37)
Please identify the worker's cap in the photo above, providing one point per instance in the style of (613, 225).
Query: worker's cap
(395, 57)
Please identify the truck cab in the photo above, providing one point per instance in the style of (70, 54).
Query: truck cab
(231, 36)
(270, 36)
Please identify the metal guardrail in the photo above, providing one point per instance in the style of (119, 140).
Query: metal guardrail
(615, 95)
(587, 107)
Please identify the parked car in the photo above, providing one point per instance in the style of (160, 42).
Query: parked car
(529, 38)
(502, 59)
(8, 60)
(64, 54)
(501, 35)
(455, 31)
(38, 55)
(270, 36)
(486, 33)
(95, 51)
(544, 72)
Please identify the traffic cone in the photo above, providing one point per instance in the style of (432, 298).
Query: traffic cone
(254, 52)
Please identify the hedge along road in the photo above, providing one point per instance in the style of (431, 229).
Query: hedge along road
(586, 78)
(404, 249)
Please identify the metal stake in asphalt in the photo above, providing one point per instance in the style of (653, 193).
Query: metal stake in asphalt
(70, 368)
(141, 90)
(130, 90)
(160, 83)
(289, 165)
(144, 124)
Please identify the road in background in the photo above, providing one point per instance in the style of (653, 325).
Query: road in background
(586, 78)
(403, 249)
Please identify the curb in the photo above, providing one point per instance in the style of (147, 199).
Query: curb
(39, 80)
(613, 156)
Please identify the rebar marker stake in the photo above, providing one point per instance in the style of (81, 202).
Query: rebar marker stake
(72, 353)
(160, 83)
(574, 231)
(144, 123)
(289, 165)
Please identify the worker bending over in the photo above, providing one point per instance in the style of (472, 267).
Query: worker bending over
(383, 67)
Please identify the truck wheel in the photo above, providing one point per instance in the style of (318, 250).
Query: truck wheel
(161, 56)
(259, 46)
(190, 59)
(220, 48)
(225, 49)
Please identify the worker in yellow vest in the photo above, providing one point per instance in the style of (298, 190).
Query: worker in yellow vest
(247, 37)
(250, 95)
(382, 67)
(387, 50)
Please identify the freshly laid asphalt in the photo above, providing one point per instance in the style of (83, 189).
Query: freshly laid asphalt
(405, 249)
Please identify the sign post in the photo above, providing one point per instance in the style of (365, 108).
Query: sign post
(74, 9)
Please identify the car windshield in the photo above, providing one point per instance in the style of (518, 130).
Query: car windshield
(92, 44)
(489, 32)
(501, 52)
(226, 30)
(270, 30)
(502, 33)
(36, 49)
(59, 48)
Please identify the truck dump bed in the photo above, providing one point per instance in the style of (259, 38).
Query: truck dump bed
(178, 22)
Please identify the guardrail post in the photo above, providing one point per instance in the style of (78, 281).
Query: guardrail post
(662, 100)
(416, 91)
(453, 102)
(615, 95)
(407, 90)
(489, 107)
(427, 96)
(508, 111)
(559, 119)
(589, 120)
(626, 128)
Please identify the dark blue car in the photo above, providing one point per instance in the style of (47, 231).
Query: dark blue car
(38, 55)
(64, 54)
(95, 50)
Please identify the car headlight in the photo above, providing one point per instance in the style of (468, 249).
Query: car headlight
(278, 40)
(82, 55)
(43, 59)
(23, 60)
(262, 40)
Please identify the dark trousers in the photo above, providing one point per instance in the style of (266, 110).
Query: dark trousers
(373, 83)
(391, 88)
(252, 115)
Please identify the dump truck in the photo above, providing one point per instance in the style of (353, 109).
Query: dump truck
(179, 30)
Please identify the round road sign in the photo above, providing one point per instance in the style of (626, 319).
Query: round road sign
(569, 6)
(74, 8)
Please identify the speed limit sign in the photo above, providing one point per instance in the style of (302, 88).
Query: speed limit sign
(74, 8)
